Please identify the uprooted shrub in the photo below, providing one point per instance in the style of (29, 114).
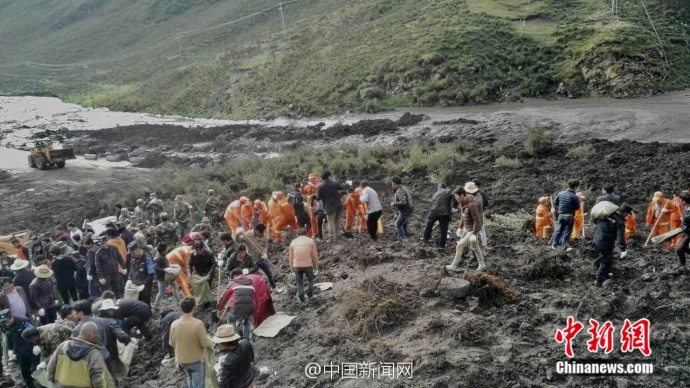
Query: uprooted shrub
(377, 304)
(538, 143)
(491, 290)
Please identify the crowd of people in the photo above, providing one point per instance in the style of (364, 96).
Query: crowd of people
(71, 295)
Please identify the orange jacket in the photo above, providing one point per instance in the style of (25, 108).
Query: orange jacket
(664, 217)
(677, 213)
(630, 226)
(247, 211)
(286, 210)
(274, 204)
(262, 209)
(352, 203)
(233, 210)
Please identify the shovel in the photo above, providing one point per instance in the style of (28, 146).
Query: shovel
(346, 233)
(646, 243)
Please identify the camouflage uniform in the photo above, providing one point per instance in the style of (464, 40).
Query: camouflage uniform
(200, 227)
(141, 238)
(181, 216)
(140, 213)
(52, 335)
(211, 209)
(167, 233)
(124, 215)
(155, 207)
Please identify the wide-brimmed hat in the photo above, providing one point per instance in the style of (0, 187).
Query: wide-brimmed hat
(108, 304)
(625, 208)
(471, 188)
(19, 264)
(43, 272)
(658, 195)
(225, 333)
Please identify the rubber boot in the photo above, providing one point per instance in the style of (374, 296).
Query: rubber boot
(482, 266)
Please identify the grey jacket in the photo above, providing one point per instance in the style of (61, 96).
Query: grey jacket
(440, 203)
(403, 201)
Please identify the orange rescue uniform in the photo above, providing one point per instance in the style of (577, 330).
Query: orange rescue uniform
(664, 219)
(287, 219)
(262, 209)
(309, 191)
(630, 226)
(274, 213)
(246, 212)
(353, 206)
(233, 217)
(180, 256)
(543, 221)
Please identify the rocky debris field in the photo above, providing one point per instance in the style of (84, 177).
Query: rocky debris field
(391, 300)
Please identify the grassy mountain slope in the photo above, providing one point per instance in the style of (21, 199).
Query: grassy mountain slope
(338, 55)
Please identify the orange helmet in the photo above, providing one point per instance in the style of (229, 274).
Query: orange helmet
(312, 175)
(244, 200)
(358, 191)
(257, 203)
(543, 199)
(278, 195)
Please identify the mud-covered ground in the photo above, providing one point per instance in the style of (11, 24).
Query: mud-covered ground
(387, 305)
(479, 340)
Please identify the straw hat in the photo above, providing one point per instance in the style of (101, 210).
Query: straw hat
(225, 333)
(43, 272)
(108, 304)
(19, 264)
(471, 188)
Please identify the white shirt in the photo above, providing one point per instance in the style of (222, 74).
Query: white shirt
(370, 197)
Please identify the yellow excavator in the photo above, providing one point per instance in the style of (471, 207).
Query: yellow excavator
(44, 154)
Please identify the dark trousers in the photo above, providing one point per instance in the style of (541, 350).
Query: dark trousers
(320, 218)
(26, 366)
(145, 295)
(563, 230)
(443, 222)
(94, 288)
(83, 291)
(605, 262)
(49, 317)
(299, 274)
(112, 283)
(68, 293)
(266, 267)
(373, 223)
(683, 248)
(142, 324)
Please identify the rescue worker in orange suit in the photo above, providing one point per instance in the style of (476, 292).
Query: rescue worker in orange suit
(274, 212)
(579, 223)
(630, 226)
(246, 213)
(659, 215)
(676, 217)
(544, 219)
(353, 206)
(308, 191)
(262, 209)
(233, 217)
(286, 219)
(180, 256)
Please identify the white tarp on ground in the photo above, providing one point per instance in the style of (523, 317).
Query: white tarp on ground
(99, 225)
(273, 325)
(324, 286)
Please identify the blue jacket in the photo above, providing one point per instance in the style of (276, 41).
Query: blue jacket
(567, 202)
(329, 193)
(608, 231)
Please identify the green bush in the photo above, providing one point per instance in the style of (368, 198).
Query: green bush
(537, 142)
(505, 162)
(580, 152)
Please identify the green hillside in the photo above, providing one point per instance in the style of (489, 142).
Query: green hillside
(233, 58)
